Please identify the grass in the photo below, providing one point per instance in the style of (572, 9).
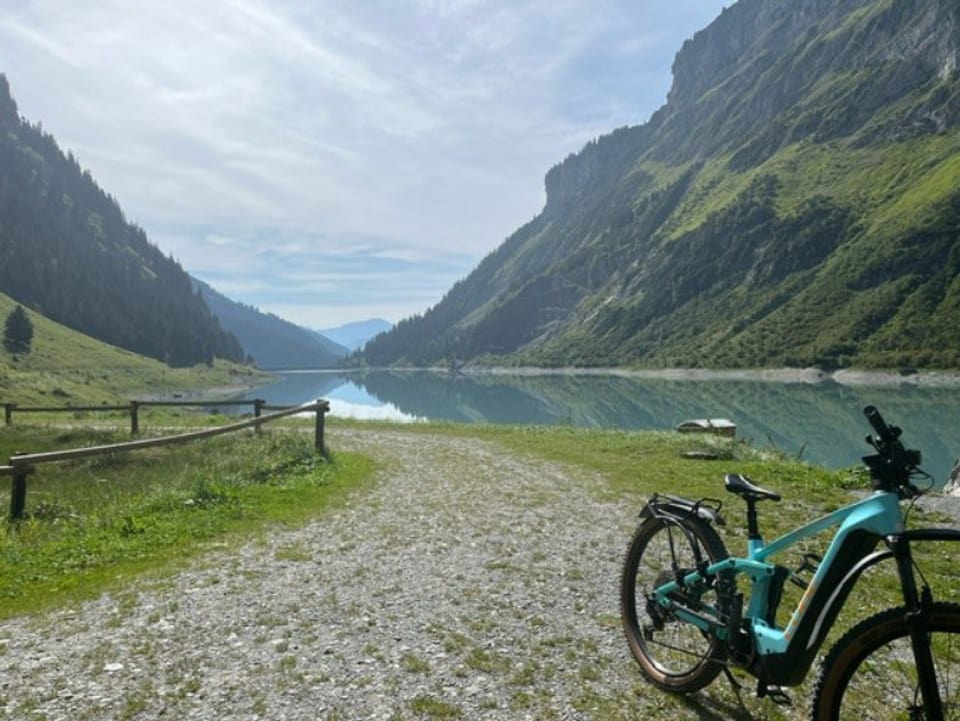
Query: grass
(64, 366)
(97, 522)
(431, 707)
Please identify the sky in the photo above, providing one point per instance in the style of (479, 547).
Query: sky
(331, 161)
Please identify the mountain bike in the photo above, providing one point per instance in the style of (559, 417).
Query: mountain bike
(691, 611)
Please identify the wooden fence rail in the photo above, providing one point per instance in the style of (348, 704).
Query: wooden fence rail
(23, 464)
(133, 408)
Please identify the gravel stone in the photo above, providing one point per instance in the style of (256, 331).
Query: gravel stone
(468, 583)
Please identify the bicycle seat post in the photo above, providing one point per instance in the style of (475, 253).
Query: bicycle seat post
(753, 525)
(751, 493)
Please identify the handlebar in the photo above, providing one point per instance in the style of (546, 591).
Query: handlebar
(885, 432)
(893, 464)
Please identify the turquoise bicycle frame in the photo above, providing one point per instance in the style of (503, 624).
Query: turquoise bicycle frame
(778, 656)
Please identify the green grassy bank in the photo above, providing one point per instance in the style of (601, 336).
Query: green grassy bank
(65, 367)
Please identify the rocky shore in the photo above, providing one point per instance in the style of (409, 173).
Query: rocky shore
(849, 376)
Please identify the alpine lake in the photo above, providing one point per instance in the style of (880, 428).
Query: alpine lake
(821, 422)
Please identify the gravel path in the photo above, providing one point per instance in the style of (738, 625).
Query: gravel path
(467, 584)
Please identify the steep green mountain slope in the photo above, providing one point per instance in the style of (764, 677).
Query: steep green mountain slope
(272, 342)
(67, 251)
(64, 366)
(796, 201)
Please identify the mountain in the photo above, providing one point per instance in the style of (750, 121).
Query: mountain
(272, 342)
(796, 202)
(355, 335)
(64, 366)
(67, 251)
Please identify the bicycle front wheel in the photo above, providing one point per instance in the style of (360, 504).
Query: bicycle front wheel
(870, 674)
(674, 655)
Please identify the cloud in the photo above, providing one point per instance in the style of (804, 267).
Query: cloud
(317, 281)
(248, 134)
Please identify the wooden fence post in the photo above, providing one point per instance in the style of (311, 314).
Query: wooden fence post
(258, 411)
(134, 418)
(8, 413)
(18, 491)
(318, 444)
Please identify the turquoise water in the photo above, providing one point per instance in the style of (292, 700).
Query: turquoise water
(821, 422)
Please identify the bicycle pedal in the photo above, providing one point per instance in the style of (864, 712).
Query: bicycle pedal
(775, 694)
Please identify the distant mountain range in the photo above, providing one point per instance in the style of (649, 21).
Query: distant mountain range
(272, 342)
(355, 335)
(277, 344)
(795, 202)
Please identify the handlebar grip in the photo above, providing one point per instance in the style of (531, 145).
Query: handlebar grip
(879, 425)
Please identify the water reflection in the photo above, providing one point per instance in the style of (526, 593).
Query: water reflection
(821, 421)
(347, 398)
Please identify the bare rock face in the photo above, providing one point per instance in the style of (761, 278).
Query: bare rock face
(799, 60)
(812, 67)
(847, 34)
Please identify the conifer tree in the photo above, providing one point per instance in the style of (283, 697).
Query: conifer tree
(18, 331)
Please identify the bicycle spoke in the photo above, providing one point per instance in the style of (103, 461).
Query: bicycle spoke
(681, 645)
(672, 653)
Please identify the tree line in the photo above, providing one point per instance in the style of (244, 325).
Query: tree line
(68, 252)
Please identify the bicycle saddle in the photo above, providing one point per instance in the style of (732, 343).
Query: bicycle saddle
(747, 489)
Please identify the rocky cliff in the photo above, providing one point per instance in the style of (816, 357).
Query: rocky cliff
(794, 201)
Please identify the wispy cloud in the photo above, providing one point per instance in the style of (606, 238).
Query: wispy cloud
(377, 130)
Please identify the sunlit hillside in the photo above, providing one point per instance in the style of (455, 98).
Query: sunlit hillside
(64, 366)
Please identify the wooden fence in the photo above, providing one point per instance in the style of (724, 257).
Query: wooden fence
(22, 465)
(133, 408)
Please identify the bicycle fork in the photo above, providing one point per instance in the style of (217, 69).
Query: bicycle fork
(917, 604)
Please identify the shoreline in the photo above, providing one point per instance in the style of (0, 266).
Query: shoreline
(813, 376)
(847, 376)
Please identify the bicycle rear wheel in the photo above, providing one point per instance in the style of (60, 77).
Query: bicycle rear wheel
(869, 674)
(674, 655)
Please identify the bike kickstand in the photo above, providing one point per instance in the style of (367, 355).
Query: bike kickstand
(737, 686)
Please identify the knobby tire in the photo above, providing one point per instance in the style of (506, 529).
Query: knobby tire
(676, 657)
(870, 674)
